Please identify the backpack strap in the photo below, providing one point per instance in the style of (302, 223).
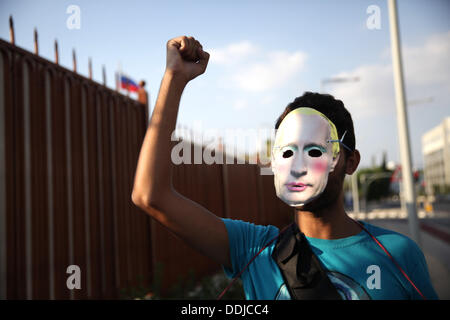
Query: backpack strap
(305, 277)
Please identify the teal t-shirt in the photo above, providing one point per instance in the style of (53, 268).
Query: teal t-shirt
(356, 265)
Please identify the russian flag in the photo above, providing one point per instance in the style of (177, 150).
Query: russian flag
(128, 84)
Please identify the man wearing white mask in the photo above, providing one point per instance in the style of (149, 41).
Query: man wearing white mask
(324, 254)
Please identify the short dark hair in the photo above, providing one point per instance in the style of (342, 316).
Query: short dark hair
(333, 109)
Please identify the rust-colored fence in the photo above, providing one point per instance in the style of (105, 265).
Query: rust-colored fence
(70, 149)
(68, 153)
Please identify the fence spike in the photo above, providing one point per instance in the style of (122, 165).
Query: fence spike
(36, 45)
(11, 30)
(90, 68)
(74, 60)
(104, 75)
(56, 52)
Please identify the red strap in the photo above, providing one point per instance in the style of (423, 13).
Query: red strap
(392, 258)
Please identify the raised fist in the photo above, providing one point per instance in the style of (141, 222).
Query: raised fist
(186, 58)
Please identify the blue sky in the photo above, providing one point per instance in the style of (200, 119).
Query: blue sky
(263, 55)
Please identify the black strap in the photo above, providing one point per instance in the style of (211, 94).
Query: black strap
(304, 275)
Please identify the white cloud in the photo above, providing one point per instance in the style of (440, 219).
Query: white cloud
(429, 64)
(244, 102)
(246, 67)
(268, 99)
(426, 71)
(372, 94)
(240, 104)
(274, 71)
(232, 53)
(371, 101)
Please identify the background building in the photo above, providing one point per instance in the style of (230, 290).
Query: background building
(436, 154)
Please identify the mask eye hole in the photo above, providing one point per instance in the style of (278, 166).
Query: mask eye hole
(288, 154)
(315, 153)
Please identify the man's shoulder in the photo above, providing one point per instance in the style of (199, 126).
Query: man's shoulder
(241, 224)
(249, 229)
(393, 240)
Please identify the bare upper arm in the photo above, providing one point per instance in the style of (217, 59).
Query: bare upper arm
(193, 223)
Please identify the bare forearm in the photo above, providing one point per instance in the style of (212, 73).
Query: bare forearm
(153, 172)
(185, 61)
(152, 191)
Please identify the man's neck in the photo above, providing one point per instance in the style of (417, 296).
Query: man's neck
(331, 222)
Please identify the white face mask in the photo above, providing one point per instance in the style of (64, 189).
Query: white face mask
(303, 157)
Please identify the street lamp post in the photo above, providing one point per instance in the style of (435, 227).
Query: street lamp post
(402, 123)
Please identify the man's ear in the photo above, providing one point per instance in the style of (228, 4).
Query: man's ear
(352, 162)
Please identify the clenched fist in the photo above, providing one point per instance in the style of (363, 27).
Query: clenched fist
(186, 58)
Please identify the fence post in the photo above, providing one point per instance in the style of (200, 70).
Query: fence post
(3, 238)
(143, 98)
(36, 45)
(74, 60)
(56, 52)
(90, 68)
(11, 31)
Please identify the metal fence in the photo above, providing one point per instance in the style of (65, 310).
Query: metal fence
(68, 153)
